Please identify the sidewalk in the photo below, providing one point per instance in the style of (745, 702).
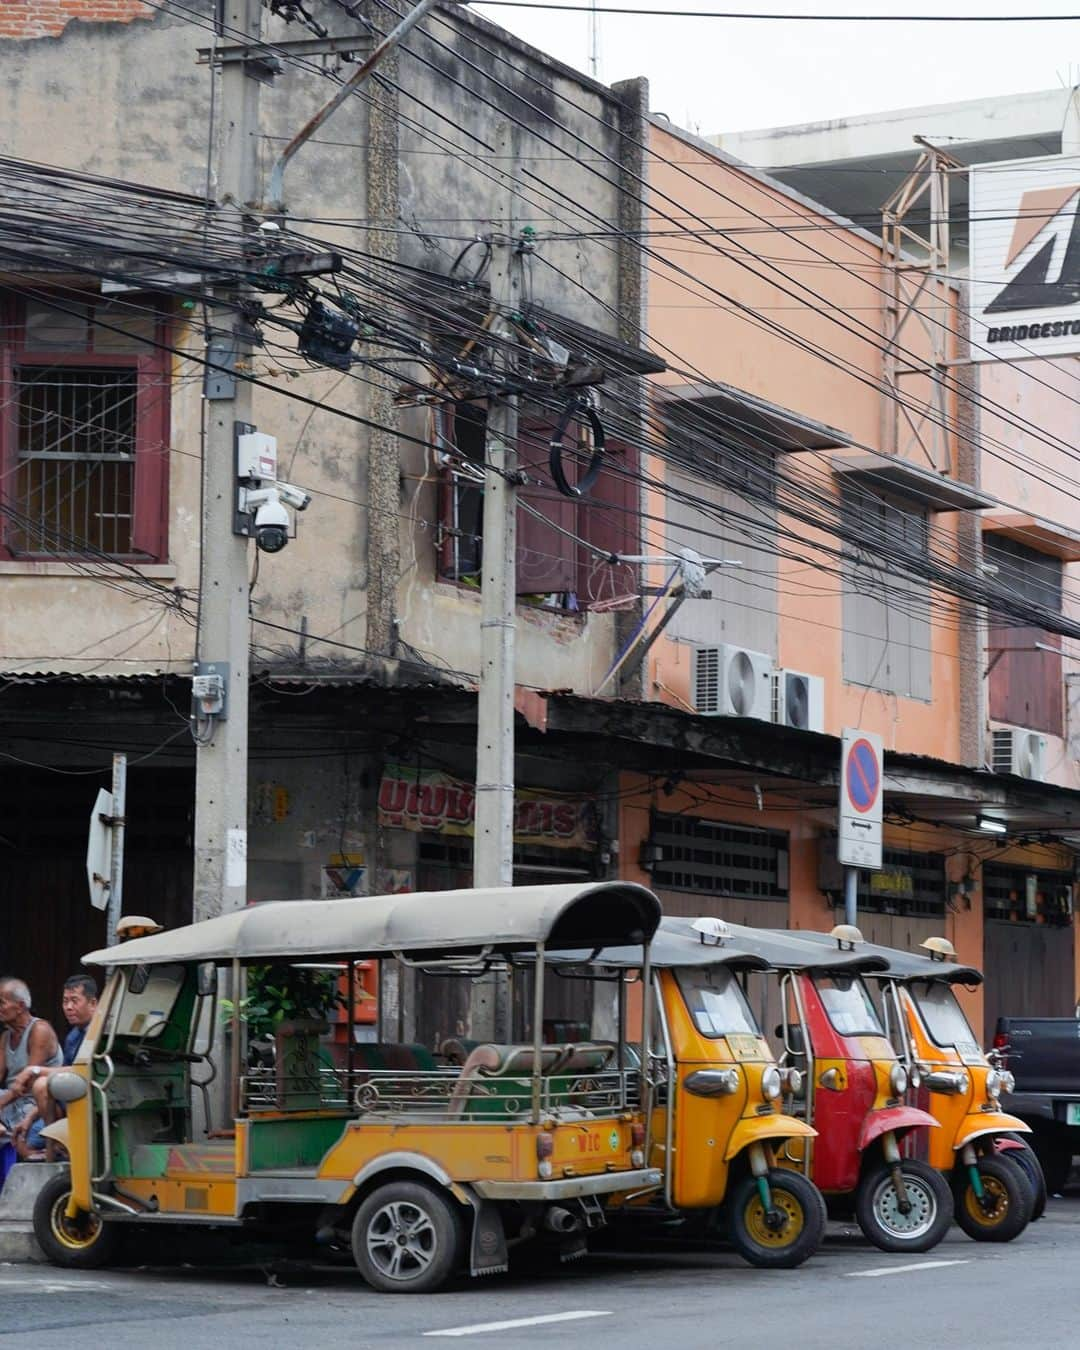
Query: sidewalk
(24, 1181)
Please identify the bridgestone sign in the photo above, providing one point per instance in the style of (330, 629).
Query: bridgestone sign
(1025, 258)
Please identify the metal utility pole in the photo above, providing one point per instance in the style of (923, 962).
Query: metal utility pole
(493, 844)
(221, 765)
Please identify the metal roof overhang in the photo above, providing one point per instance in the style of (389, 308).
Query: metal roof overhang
(1037, 534)
(887, 473)
(803, 767)
(751, 420)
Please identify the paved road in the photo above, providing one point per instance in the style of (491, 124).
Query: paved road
(850, 1297)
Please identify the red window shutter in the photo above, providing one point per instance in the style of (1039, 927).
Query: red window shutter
(150, 510)
(1026, 684)
(610, 520)
(547, 552)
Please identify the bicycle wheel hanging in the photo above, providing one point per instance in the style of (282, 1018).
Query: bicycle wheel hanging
(577, 410)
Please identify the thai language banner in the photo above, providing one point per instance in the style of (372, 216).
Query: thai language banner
(441, 804)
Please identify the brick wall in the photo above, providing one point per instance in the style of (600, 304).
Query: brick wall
(49, 18)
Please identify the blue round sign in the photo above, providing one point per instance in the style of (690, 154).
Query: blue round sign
(863, 776)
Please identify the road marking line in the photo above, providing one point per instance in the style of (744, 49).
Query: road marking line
(900, 1270)
(477, 1327)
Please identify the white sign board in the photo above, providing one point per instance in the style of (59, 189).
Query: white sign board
(99, 850)
(861, 759)
(1025, 258)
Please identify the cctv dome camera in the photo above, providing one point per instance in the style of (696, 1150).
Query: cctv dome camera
(271, 526)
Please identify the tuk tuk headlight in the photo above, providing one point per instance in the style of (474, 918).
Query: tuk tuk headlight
(993, 1084)
(66, 1086)
(712, 1082)
(771, 1085)
(915, 1077)
(898, 1080)
(793, 1081)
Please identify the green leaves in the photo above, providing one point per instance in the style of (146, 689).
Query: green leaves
(281, 992)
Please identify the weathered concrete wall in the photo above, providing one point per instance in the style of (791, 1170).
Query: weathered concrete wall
(407, 181)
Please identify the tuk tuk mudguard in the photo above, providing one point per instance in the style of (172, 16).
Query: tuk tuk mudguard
(759, 1129)
(982, 1123)
(895, 1118)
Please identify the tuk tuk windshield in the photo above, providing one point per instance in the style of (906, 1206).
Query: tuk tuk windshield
(717, 1004)
(848, 1005)
(944, 1018)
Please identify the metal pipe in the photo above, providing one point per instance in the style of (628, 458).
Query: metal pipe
(409, 22)
(538, 1031)
(646, 1046)
(851, 894)
(234, 1049)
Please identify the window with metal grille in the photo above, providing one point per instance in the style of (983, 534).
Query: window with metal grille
(907, 883)
(1023, 895)
(714, 858)
(84, 445)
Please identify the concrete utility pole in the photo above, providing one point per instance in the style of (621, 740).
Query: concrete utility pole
(116, 868)
(493, 844)
(221, 765)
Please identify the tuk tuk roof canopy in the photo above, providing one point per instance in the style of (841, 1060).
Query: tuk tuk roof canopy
(902, 965)
(679, 945)
(784, 949)
(425, 925)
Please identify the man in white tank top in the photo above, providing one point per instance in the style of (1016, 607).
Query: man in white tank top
(24, 1039)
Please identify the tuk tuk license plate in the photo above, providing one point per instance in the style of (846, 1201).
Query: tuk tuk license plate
(1072, 1113)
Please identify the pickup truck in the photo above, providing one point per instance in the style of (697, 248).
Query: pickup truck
(1043, 1054)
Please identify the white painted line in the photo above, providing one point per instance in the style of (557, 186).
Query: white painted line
(478, 1327)
(900, 1270)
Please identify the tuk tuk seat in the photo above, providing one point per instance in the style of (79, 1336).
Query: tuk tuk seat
(489, 1061)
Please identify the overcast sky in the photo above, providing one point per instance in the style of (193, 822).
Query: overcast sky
(714, 75)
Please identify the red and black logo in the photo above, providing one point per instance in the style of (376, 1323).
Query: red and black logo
(1053, 212)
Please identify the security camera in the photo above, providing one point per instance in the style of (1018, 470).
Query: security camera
(297, 498)
(271, 526)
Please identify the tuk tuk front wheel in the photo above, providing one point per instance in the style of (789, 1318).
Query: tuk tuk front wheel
(1004, 1210)
(407, 1238)
(786, 1236)
(82, 1243)
(882, 1217)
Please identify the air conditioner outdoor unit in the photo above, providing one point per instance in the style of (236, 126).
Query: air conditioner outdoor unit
(1016, 751)
(798, 700)
(732, 682)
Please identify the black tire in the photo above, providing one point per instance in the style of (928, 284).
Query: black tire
(407, 1238)
(802, 1232)
(1025, 1157)
(878, 1212)
(81, 1244)
(1007, 1185)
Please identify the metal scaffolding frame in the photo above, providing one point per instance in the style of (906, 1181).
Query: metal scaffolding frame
(916, 416)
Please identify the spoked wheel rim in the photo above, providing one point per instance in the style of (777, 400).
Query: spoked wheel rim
(76, 1234)
(401, 1240)
(997, 1211)
(756, 1223)
(887, 1212)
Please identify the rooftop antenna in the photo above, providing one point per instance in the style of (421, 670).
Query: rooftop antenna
(594, 42)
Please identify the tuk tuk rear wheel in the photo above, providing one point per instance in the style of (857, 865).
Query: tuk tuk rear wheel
(1009, 1196)
(82, 1243)
(1026, 1158)
(883, 1222)
(407, 1238)
(800, 1232)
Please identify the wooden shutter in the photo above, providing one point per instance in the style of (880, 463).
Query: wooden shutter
(609, 520)
(547, 549)
(1026, 684)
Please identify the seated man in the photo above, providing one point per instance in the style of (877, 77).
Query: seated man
(80, 1003)
(25, 1040)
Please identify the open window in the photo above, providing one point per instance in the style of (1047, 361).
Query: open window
(84, 385)
(562, 542)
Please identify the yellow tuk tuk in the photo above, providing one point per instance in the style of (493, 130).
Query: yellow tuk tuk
(420, 1169)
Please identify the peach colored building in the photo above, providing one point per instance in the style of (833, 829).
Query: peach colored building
(772, 321)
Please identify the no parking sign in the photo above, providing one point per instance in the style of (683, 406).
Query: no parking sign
(860, 800)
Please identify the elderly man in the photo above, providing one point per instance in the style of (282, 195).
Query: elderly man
(80, 1002)
(24, 1040)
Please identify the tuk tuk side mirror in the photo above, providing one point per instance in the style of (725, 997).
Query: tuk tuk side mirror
(206, 978)
(139, 979)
